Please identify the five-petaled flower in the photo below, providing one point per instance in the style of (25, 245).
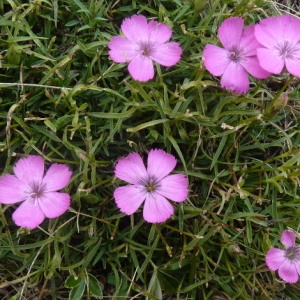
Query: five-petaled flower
(37, 191)
(142, 43)
(280, 44)
(287, 261)
(152, 185)
(237, 58)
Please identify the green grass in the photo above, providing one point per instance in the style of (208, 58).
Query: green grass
(62, 98)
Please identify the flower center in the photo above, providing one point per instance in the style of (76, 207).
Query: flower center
(37, 190)
(150, 185)
(235, 55)
(146, 48)
(292, 253)
(286, 49)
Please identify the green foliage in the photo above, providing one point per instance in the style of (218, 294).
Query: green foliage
(62, 98)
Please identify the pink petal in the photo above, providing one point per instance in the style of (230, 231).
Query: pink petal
(141, 68)
(252, 66)
(235, 79)
(57, 177)
(54, 204)
(30, 169)
(265, 33)
(159, 33)
(288, 238)
(160, 164)
(288, 272)
(270, 60)
(275, 258)
(122, 50)
(272, 30)
(129, 198)
(291, 28)
(135, 28)
(249, 43)
(11, 189)
(157, 208)
(28, 214)
(215, 59)
(174, 187)
(166, 54)
(230, 32)
(293, 64)
(297, 263)
(131, 169)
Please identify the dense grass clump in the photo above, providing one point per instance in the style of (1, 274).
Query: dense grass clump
(62, 98)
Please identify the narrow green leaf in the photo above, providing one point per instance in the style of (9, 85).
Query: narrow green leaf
(95, 287)
(147, 124)
(71, 281)
(77, 291)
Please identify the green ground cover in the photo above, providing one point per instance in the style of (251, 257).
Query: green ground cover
(61, 97)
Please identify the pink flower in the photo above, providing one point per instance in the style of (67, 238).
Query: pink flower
(38, 192)
(237, 58)
(152, 185)
(280, 46)
(143, 43)
(287, 261)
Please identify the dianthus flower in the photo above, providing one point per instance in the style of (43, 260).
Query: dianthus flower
(37, 191)
(152, 185)
(237, 58)
(287, 261)
(280, 44)
(142, 44)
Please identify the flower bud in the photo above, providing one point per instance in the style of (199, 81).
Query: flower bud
(13, 54)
